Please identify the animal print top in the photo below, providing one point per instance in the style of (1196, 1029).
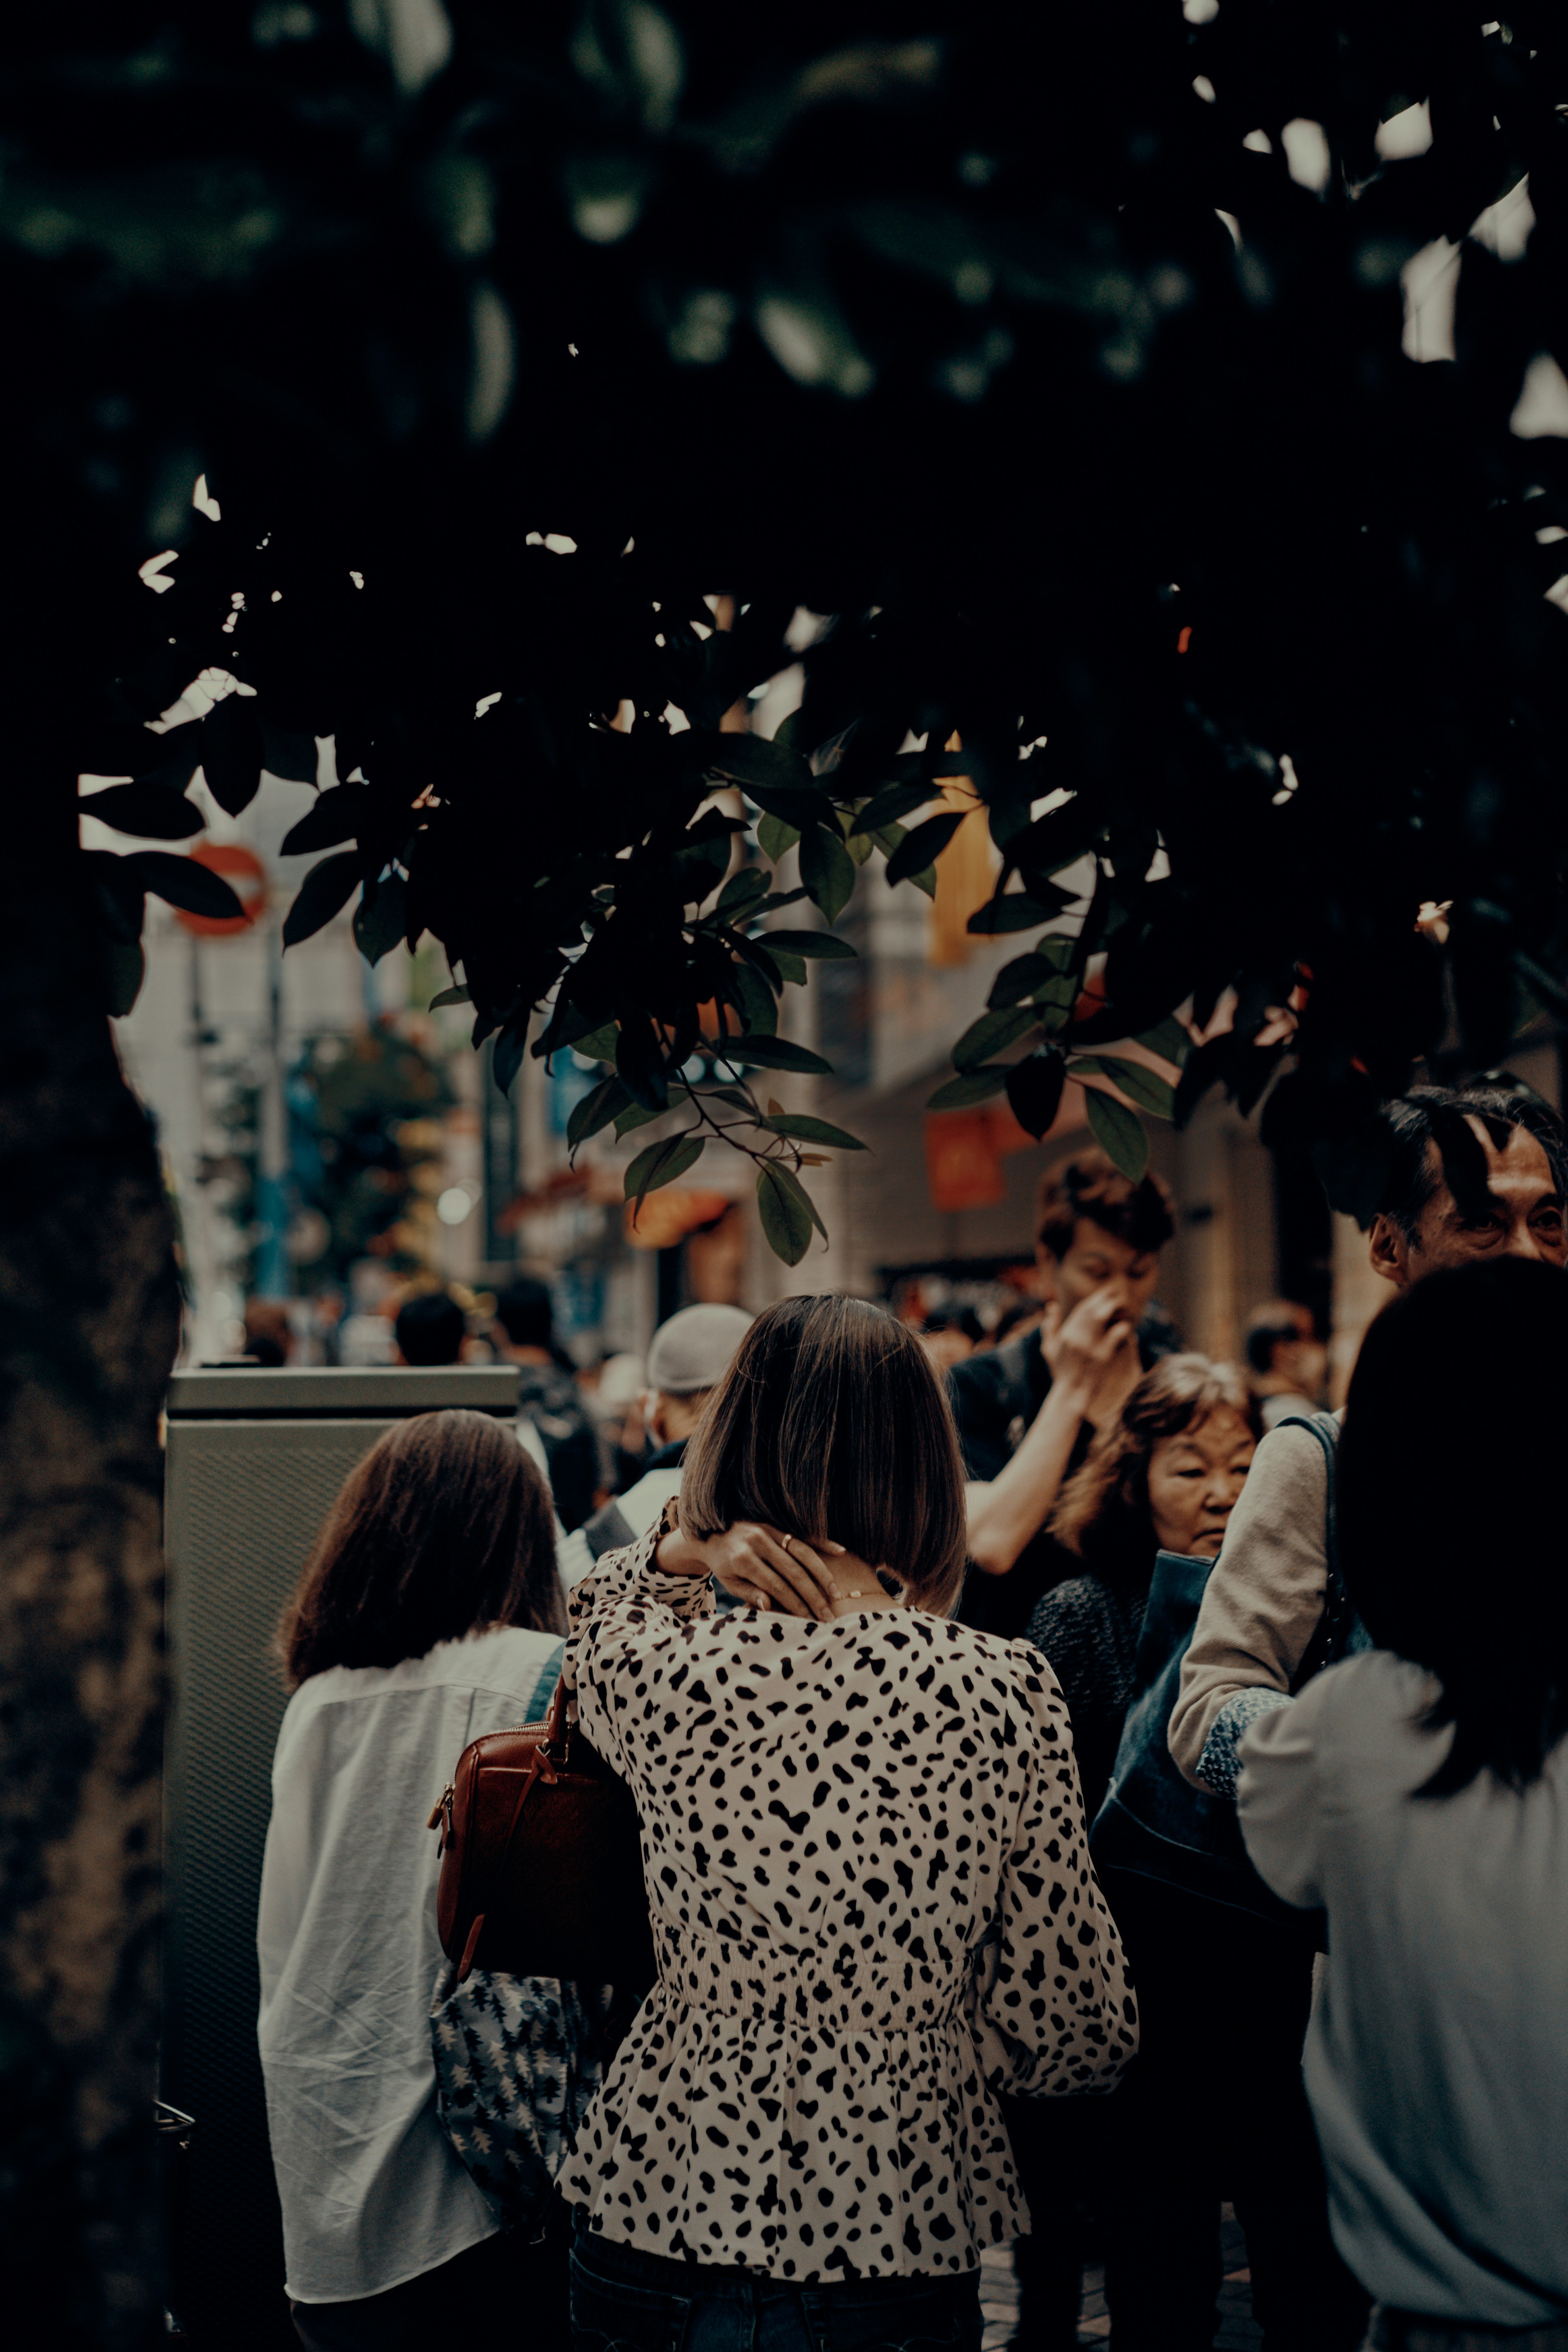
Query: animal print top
(873, 1909)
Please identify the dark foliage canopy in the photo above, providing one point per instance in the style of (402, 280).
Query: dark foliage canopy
(1078, 364)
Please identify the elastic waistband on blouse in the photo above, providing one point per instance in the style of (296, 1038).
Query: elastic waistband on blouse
(829, 1988)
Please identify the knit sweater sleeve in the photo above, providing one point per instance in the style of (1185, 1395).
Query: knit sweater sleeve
(1075, 1626)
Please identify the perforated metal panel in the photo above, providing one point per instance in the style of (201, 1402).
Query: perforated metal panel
(245, 1499)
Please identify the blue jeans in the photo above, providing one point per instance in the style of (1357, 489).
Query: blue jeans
(625, 2300)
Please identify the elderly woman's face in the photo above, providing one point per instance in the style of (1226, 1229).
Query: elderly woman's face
(1194, 1478)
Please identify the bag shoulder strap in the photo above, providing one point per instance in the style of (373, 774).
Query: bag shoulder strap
(1332, 1638)
(545, 1688)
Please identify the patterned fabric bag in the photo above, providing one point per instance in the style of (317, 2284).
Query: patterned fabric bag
(517, 2061)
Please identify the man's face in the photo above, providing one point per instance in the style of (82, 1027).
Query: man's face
(1095, 1260)
(1524, 1217)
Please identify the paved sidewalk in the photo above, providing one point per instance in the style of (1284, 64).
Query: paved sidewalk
(999, 2298)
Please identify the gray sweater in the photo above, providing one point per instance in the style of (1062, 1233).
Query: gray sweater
(1260, 1607)
(1436, 2060)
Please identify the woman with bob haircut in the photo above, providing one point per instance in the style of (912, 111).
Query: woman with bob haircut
(1418, 1792)
(872, 1901)
(428, 1612)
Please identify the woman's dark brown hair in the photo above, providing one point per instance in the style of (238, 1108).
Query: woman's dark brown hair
(1102, 1513)
(444, 1530)
(831, 1423)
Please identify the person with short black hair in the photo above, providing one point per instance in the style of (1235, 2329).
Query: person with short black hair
(1453, 1176)
(428, 1612)
(1285, 1358)
(1418, 1792)
(950, 1335)
(868, 1858)
(548, 1397)
(431, 1328)
(1027, 1411)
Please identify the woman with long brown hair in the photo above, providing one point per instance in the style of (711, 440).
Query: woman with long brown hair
(865, 1853)
(429, 1611)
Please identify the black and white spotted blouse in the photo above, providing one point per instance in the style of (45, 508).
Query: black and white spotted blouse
(873, 1909)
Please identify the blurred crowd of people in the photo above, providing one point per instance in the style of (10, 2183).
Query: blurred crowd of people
(1087, 1782)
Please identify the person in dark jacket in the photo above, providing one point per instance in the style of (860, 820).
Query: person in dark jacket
(548, 1396)
(1027, 1411)
(1163, 1475)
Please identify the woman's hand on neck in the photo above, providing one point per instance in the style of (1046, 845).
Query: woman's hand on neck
(858, 1587)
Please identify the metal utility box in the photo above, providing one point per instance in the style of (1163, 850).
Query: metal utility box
(255, 1460)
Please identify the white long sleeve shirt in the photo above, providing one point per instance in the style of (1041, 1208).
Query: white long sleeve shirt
(1436, 2060)
(372, 2193)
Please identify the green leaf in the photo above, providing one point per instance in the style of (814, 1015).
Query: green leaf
(792, 1184)
(773, 1054)
(860, 845)
(156, 814)
(124, 968)
(379, 924)
(510, 1047)
(926, 881)
(801, 1129)
(1140, 1084)
(788, 967)
(1170, 1041)
(974, 1086)
(638, 1116)
(740, 891)
(569, 1025)
(599, 1045)
(800, 809)
(786, 1214)
(828, 870)
(773, 836)
(288, 754)
(662, 1163)
(120, 894)
(761, 959)
(1119, 1132)
(1035, 1090)
(892, 802)
(826, 946)
(1039, 976)
(752, 760)
(921, 847)
(185, 882)
(990, 1033)
(758, 1008)
(1011, 911)
(457, 995)
(608, 1099)
(324, 892)
(336, 817)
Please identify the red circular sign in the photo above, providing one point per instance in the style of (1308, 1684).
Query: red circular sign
(247, 877)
